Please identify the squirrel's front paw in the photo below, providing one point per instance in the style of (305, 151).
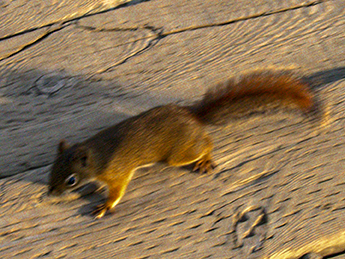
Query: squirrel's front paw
(100, 211)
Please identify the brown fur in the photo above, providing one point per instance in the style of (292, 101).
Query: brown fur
(252, 93)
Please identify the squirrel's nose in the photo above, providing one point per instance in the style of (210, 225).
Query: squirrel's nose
(53, 191)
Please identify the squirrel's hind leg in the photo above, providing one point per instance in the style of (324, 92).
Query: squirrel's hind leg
(197, 150)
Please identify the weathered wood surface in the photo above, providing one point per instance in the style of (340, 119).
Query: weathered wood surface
(70, 68)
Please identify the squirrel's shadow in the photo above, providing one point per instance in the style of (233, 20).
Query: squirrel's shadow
(95, 194)
(325, 77)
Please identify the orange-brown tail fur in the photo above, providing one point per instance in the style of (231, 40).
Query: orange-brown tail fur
(253, 93)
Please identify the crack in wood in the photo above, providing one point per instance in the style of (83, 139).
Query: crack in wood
(35, 41)
(88, 14)
(249, 17)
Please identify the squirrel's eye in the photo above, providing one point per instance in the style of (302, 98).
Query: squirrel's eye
(72, 180)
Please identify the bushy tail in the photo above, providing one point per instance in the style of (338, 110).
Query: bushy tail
(257, 92)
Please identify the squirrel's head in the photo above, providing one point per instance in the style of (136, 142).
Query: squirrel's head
(72, 166)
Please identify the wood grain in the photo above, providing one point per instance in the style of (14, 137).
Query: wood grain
(278, 189)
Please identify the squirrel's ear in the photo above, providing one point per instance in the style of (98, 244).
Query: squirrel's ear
(63, 145)
(82, 154)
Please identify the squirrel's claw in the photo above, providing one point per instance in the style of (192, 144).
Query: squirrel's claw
(204, 165)
(100, 211)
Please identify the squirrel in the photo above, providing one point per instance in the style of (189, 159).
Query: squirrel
(172, 134)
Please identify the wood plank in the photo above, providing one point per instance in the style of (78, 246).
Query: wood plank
(278, 189)
(116, 63)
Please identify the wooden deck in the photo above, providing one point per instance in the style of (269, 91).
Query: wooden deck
(71, 68)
